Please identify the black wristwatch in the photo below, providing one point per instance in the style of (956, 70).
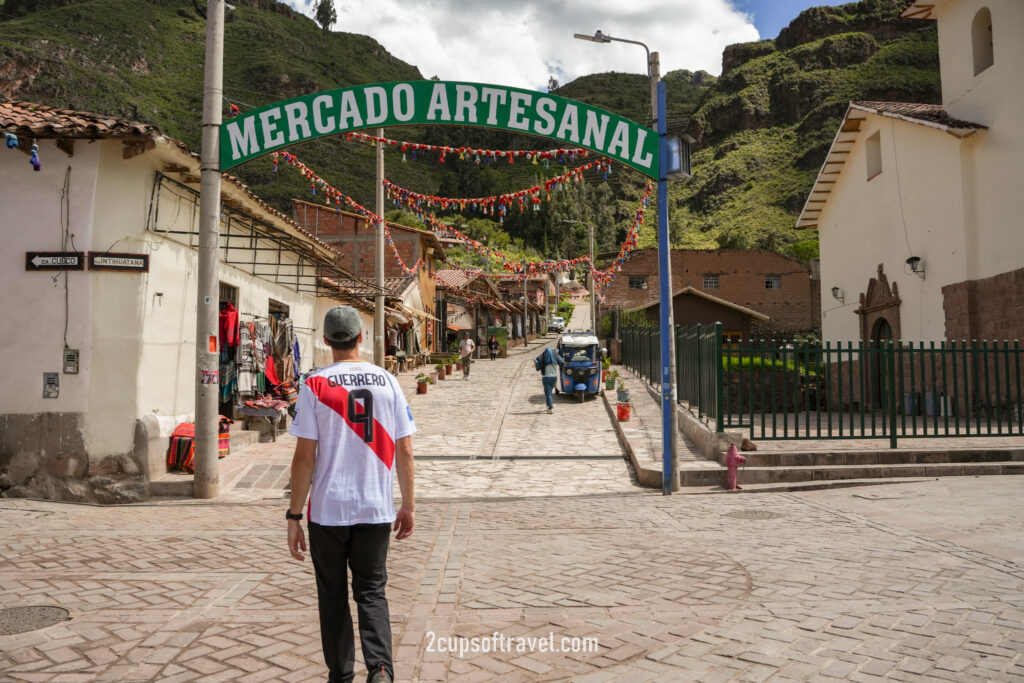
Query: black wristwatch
(288, 514)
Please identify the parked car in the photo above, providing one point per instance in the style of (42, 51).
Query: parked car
(556, 324)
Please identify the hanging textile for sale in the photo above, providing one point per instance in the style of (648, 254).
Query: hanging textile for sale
(284, 337)
(228, 325)
(295, 354)
(246, 356)
(262, 348)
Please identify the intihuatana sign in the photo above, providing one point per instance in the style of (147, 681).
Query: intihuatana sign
(404, 103)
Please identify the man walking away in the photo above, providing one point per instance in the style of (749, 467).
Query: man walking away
(353, 427)
(549, 362)
(466, 348)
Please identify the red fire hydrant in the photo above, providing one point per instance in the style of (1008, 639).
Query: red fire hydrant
(733, 460)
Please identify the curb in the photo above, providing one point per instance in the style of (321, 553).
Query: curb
(645, 476)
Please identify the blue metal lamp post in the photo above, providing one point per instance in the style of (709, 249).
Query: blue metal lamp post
(669, 460)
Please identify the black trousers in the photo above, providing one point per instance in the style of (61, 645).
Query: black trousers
(363, 548)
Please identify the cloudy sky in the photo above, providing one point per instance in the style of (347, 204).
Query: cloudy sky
(523, 42)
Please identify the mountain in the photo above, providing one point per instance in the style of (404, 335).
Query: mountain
(763, 126)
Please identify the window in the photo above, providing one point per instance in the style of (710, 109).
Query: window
(710, 280)
(981, 40)
(773, 282)
(873, 153)
(638, 282)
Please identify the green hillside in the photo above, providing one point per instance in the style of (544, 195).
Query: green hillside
(766, 124)
(763, 126)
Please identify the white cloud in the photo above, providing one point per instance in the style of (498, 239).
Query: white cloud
(521, 43)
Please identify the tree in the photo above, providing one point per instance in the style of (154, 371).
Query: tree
(552, 84)
(325, 14)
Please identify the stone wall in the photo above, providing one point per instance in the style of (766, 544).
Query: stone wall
(990, 308)
(43, 455)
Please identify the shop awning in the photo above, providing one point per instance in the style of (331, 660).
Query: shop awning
(416, 312)
(459, 328)
(395, 316)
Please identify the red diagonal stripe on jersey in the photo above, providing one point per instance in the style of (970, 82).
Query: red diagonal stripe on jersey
(336, 398)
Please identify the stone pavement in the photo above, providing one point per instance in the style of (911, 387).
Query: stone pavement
(536, 554)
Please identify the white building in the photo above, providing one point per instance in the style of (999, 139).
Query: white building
(109, 187)
(918, 207)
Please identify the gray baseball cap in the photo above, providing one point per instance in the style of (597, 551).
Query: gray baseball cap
(342, 324)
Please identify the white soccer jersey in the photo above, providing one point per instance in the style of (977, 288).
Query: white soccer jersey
(356, 412)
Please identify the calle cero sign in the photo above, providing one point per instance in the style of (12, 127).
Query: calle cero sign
(331, 112)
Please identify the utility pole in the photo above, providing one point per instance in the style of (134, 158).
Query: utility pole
(378, 312)
(525, 313)
(593, 285)
(206, 481)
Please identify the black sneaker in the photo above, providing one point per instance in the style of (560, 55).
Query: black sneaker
(379, 676)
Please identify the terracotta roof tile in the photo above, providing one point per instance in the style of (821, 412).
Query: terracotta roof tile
(930, 113)
(452, 279)
(40, 120)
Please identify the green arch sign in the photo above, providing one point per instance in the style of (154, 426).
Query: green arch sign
(405, 103)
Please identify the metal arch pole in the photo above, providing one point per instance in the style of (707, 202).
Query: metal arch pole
(207, 478)
(378, 308)
(669, 461)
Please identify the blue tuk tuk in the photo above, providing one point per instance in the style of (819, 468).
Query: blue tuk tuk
(581, 374)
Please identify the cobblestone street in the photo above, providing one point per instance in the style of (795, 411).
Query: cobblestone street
(531, 531)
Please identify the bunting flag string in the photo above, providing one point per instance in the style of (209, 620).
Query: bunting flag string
(479, 155)
(501, 203)
(516, 270)
(332, 193)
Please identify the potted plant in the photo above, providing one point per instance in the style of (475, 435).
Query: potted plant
(623, 409)
(422, 380)
(621, 392)
(610, 379)
(456, 360)
(440, 371)
(606, 363)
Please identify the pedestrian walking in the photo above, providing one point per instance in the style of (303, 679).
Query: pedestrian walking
(548, 363)
(466, 348)
(492, 346)
(354, 429)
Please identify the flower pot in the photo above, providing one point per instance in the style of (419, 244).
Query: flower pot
(622, 394)
(447, 369)
(421, 387)
(604, 375)
(458, 366)
(440, 375)
(609, 384)
(622, 411)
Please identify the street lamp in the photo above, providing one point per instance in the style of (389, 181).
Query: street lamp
(669, 458)
(593, 285)
(653, 65)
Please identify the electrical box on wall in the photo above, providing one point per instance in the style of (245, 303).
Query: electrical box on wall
(70, 361)
(51, 384)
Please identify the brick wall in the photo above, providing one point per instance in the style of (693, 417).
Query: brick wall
(796, 306)
(354, 237)
(990, 308)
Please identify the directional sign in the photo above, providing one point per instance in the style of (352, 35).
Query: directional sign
(132, 263)
(54, 260)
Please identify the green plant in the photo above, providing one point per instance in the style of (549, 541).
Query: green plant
(606, 362)
(439, 367)
(423, 378)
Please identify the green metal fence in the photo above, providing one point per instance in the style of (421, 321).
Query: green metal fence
(841, 390)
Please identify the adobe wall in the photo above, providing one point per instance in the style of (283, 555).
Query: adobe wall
(741, 277)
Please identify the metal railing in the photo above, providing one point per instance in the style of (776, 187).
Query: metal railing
(841, 390)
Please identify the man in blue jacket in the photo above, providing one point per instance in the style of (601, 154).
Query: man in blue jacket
(549, 362)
